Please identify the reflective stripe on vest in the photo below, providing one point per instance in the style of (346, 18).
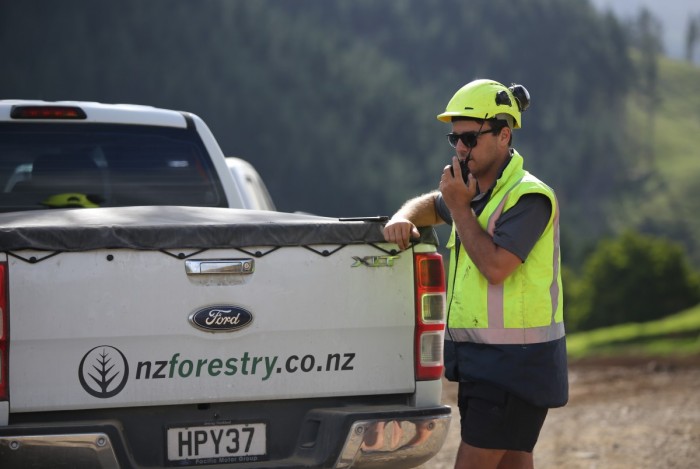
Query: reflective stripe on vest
(529, 335)
(497, 331)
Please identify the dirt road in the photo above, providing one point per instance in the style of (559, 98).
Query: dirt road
(622, 414)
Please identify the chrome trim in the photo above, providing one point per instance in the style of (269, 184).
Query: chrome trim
(393, 443)
(219, 266)
(79, 450)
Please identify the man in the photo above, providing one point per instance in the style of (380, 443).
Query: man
(505, 341)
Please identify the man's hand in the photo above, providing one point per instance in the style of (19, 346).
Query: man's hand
(456, 193)
(400, 231)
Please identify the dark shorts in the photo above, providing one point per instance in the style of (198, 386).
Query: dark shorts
(494, 419)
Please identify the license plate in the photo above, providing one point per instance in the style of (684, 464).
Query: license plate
(217, 444)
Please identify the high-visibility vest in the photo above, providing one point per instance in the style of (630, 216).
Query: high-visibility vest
(527, 308)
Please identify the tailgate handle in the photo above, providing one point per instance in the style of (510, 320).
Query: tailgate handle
(219, 266)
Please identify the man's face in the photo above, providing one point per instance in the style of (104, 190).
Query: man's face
(488, 150)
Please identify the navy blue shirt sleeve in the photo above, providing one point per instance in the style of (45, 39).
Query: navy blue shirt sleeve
(519, 228)
(442, 210)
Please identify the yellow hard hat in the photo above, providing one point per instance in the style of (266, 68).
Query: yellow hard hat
(68, 200)
(488, 99)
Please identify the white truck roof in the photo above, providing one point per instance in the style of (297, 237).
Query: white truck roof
(104, 113)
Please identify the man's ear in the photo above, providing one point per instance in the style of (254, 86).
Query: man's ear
(504, 135)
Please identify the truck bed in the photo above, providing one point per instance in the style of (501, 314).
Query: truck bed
(180, 321)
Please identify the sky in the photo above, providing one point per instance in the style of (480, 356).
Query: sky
(673, 14)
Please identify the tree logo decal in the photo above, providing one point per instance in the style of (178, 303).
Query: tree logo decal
(103, 371)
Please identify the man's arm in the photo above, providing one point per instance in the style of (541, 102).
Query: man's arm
(516, 232)
(419, 211)
(494, 262)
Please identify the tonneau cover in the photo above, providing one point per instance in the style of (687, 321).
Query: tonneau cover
(166, 227)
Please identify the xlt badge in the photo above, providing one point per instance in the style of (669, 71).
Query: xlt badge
(374, 261)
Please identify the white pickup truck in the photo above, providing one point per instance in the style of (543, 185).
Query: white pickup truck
(147, 319)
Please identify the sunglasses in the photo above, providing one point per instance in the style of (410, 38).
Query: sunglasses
(469, 139)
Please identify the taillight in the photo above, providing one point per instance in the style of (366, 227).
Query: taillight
(4, 333)
(430, 315)
(47, 112)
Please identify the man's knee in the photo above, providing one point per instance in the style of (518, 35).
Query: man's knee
(471, 457)
(516, 460)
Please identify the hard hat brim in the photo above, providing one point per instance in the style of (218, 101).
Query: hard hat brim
(447, 118)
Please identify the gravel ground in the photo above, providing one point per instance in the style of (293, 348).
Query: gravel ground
(622, 414)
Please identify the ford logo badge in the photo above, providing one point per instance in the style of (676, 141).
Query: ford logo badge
(221, 318)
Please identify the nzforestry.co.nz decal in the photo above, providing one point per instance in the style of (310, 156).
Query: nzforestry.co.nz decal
(103, 371)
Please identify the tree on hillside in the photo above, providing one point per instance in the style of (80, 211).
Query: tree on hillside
(633, 278)
(646, 33)
(692, 37)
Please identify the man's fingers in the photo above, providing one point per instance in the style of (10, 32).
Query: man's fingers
(455, 167)
(401, 236)
(392, 234)
(415, 233)
(400, 233)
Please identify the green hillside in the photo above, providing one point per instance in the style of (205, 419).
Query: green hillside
(677, 335)
(665, 161)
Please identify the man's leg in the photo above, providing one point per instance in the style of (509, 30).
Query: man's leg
(499, 430)
(471, 457)
(517, 460)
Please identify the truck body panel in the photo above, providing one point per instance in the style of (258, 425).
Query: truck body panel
(354, 343)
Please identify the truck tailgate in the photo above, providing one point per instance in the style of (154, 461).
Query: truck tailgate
(112, 328)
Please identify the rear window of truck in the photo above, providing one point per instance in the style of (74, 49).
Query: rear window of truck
(99, 165)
